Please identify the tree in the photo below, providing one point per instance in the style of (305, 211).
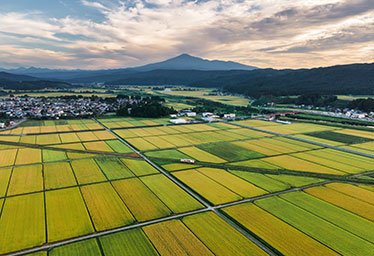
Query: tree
(145, 109)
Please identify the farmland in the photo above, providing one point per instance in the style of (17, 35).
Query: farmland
(249, 192)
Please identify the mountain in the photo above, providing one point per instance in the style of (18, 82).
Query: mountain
(230, 76)
(181, 62)
(188, 62)
(23, 82)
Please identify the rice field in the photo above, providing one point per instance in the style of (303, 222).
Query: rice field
(232, 182)
(296, 128)
(141, 144)
(86, 247)
(69, 138)
(26, 179)
(48, 139)
(344, 201)
(130, 242)
(243, 179)
(219, 236)
(321, 230)
(106, 207)
(118, 146)
(212, 191)
(201, 155)
(7, 157)
(173, 238)
(97, 146)
(4, 180)
(141, 201)
(275, 232)
(262, 181)
(344, 219)
(230, 152)
(293, 163)
(67, 215)
(113, 168)
(353, 191)
(25, 229)
(178, 201)
(87, 171)
(53, 155)
(139, 167)
(58, 175)
(28, 156)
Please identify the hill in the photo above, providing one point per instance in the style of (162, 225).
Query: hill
(23, 82)
(344, 79)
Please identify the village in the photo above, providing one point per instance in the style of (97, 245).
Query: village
(56, 107)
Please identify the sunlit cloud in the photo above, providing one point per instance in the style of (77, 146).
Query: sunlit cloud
(267, 33)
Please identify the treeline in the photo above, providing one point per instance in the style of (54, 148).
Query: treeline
(344, 79)
(314, 99)
(146, 107)
(347, 79)
(318, 100)
(366, 105)
(32, 85)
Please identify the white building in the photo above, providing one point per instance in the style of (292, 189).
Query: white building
(2, 125)
(206, 114)
(229, 116)
(191, 114)
(178, 121)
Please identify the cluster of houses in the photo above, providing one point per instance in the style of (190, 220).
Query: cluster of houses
(346, 113)
(39, 107)
(205, 116)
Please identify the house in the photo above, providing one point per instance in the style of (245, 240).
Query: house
(2, 125)
(229, 116)
(206, 114)
(173, 115)
(178, 121)
(190, 114)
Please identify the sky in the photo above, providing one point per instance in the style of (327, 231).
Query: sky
(104, 34)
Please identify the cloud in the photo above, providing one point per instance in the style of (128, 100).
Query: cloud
(94, 5)
(279, 34)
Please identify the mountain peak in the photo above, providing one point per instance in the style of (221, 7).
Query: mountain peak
(189, 62)
(184, 55)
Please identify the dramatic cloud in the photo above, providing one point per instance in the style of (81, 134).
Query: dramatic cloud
(112, 33)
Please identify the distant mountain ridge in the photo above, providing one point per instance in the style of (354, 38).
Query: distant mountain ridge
(234, 77)
(23, 82)
(181, 62)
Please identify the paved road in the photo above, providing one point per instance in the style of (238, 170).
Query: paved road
(14, 126)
